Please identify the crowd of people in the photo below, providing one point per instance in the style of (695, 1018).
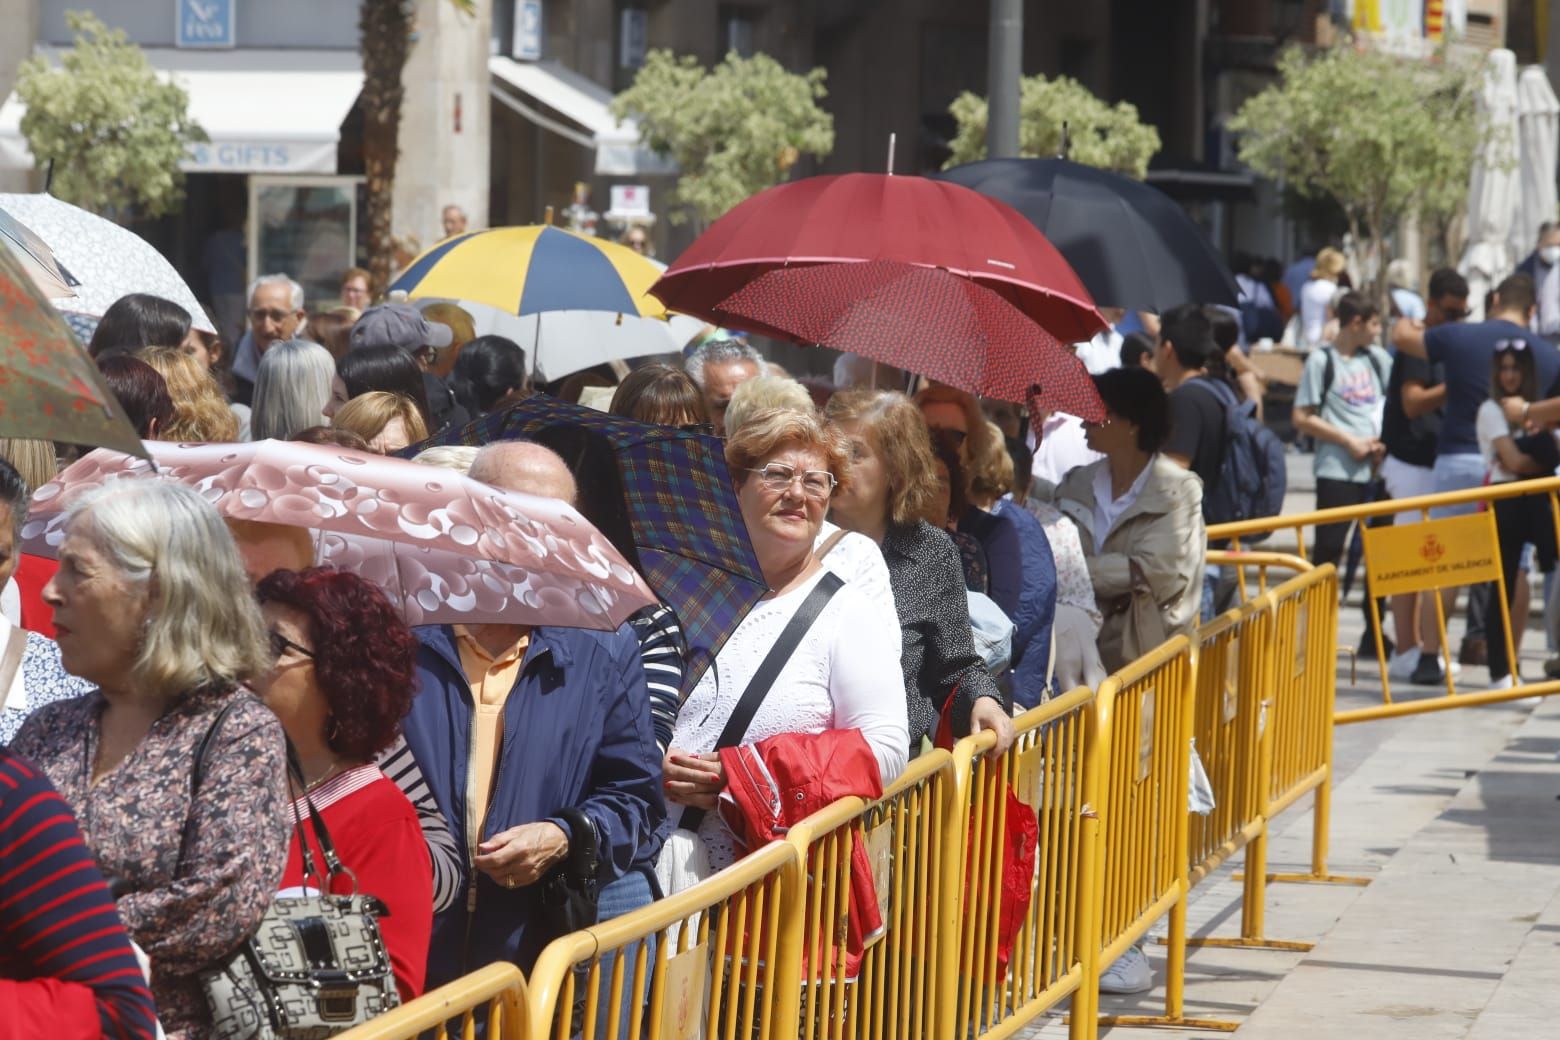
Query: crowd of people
(179, 755)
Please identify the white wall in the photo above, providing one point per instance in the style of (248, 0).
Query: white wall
(440, 164)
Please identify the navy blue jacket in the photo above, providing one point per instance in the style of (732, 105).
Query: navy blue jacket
(1023, 584)
(576, 733)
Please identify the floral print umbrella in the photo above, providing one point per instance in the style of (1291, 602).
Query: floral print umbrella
(49, 388)
(107, 260)
(443, 547)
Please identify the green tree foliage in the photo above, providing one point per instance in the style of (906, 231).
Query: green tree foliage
(114, 131)
(1107, 136)
(1377, 134)
(733, 130)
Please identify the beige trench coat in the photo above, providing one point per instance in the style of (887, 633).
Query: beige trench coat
(1162, 532)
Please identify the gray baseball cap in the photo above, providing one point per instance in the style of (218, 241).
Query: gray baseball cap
(398, 325)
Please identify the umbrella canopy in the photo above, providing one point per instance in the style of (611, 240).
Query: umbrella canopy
(49, 388)
(110, 261)
(1495, 188)
(1538, 129)
(1130, 243)
(858, 217)
(593, 293)
(923, 320)
(663, 496)
(37, 259)
(443, 547)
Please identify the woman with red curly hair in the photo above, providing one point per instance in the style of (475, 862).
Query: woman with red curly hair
(343, 680)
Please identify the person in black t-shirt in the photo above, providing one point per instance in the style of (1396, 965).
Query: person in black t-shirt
(1197, 423)
(1409, 428)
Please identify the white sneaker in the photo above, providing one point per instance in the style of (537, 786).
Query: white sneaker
(1505, 683)
(1401, 666)
(1130, 974)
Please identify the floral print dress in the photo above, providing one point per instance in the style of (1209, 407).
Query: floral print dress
(193, 875)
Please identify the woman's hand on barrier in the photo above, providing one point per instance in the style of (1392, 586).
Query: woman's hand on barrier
(693, 780)
(521, 855)
(987, 713)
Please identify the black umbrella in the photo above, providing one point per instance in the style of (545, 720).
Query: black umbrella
(1130, 243)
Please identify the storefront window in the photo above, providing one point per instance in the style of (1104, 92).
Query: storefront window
(305, 227)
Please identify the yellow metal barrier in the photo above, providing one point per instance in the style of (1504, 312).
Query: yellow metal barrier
(893, 991)
(1479, 541)
(1145, 716)
(725, 957)
(1050, 772)
(496, 994)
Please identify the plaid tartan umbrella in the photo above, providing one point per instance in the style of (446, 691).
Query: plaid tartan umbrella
(663, 497)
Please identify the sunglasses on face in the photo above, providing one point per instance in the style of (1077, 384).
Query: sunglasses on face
(816, 483)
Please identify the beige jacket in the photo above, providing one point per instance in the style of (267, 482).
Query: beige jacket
(1162, 531)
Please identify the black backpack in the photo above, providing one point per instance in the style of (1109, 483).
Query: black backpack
(1252, 473)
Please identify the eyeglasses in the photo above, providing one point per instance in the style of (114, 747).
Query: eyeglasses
(280, 644)
(816, 483)
(706, 428)
(260, 314)
(956, 438)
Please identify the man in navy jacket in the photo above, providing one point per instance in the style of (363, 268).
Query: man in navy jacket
(511, 726)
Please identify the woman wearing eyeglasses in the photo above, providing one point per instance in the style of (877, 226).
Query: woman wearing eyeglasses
(175, 770)
(843, 672)
(343, 679)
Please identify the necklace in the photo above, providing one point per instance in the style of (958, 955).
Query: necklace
(334, 768)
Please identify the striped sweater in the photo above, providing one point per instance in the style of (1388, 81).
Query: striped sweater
(67, 969)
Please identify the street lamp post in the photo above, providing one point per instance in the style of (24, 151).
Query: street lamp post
(1005, 68)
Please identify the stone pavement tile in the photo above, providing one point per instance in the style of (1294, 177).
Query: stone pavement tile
(1527, 996)
(1449, 929)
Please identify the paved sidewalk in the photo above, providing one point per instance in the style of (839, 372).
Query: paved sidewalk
(1454, 817)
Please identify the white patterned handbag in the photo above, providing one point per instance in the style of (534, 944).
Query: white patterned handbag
(316, 966)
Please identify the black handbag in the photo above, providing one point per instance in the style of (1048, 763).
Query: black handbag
(570, 891)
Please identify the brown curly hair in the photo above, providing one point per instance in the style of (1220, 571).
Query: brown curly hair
(200, 412)
(900, 438)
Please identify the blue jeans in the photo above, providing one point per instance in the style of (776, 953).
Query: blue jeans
(1209, 591)
(1457, 473)
(633, 891)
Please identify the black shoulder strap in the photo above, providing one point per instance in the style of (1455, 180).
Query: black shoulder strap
(1328, 374)
(758, 688)
(779, 654)
(198, 769)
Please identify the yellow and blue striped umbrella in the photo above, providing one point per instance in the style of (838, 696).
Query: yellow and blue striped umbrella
(534, 270)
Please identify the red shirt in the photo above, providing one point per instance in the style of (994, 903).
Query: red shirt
(32, 574)
(375, 831)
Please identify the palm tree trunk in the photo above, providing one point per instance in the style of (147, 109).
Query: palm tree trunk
(386, 27)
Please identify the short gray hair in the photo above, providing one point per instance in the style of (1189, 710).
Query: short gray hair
(202, 626)
(719, 350)
(292, 389)
(765, 392)
(294, 290)
(457, 457)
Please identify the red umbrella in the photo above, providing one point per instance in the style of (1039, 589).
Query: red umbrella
(921, 319)
(858, 217)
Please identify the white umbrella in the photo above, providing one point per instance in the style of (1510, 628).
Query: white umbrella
(560, 343)
(109, 261)
(1539, 133)
(1495, 189)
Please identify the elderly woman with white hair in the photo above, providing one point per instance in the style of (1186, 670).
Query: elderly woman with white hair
(144, 610)
(297, 387)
